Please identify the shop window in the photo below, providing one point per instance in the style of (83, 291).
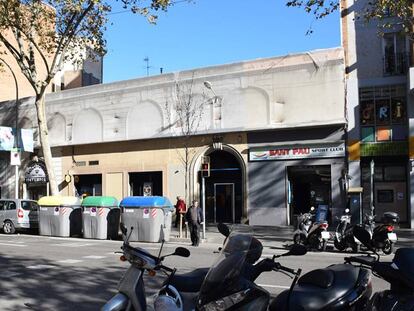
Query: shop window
(399, 132)
(398, 111)
(385, 196)
(367, 112)
(368, 134)
(383, 115)
(383, 134)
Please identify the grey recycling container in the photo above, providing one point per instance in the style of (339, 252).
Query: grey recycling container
(150, 218)
(60, 216)
(100, 217)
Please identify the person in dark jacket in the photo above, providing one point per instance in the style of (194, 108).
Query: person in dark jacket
(194, 218)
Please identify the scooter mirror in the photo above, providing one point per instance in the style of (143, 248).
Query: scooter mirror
(297, 250)
(363, 236)
(182, 252)
(123, 229)
(223, 229)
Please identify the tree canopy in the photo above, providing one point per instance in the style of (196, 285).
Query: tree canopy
(389, 13)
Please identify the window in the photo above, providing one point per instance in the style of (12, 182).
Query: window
(29, 206)
(385, 196)
(11, 206)
(383, 115)
(395, 54)
(2, 205)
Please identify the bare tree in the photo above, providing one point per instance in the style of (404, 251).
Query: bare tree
(43, 35)
(185, 113)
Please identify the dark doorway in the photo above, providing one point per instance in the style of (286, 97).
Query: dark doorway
(145, 183)
(308, 186)
(224, 194)
(87, 185)
(224, 204)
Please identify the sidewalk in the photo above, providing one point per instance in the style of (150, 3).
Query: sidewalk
(280, 235)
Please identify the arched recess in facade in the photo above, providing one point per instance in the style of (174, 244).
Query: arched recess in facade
(195, 183)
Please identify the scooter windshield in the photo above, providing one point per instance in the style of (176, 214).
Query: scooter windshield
(225, 275)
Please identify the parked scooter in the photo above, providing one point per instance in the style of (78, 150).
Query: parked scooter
(340, 287)
(399, 273)
(344, 236)
(383, 236)
(310, 233)
(131, 289)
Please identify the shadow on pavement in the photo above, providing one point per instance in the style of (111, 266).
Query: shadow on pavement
(29, 284)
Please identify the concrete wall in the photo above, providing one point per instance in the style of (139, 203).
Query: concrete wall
(264, 93)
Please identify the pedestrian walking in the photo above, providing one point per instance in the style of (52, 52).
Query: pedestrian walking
(194, 218)
(180, 209)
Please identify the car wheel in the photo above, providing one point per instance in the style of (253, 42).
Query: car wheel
(388, 247)
(8, 227)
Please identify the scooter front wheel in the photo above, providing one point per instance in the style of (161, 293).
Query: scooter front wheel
(298, 239)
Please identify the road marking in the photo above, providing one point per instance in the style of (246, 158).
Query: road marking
(94, 257)
(41, 267)
(70, 261)
(10, 244)
(274, 286)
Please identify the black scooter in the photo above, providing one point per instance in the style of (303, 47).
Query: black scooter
(340, 287)
(383, 236)
(399, 273)
(344, 236)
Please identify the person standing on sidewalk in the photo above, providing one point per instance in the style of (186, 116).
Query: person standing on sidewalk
(194, 218)
(180, 209)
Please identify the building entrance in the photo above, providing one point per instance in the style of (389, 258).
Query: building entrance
(224, 202)
(224, 193)
(308, 186)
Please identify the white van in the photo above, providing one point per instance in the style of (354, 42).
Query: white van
(16, 214)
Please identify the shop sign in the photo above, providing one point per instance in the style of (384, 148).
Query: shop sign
(36, 173)
(297, 152)
(8, 136)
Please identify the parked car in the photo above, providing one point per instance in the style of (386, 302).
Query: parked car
(16, 214)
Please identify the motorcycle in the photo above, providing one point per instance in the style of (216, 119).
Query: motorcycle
(337, 287)
(383, 236)
(399, 273)
(131, 288)
(344, 236)
(310, 233)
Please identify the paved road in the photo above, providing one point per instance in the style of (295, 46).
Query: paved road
(49, 273)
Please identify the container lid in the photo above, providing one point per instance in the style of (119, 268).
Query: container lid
(155, 201)
(59, 201)
(100, 201)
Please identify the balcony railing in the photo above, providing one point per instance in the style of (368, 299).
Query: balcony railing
(396, 64)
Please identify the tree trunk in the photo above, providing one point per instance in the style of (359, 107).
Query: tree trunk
(44, 142)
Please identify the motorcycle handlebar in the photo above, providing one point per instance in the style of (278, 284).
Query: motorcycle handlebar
(278, 266)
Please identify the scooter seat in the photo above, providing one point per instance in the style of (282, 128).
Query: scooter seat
(189, 282)
(317, 289)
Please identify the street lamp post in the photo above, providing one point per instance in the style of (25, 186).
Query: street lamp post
(16, 140)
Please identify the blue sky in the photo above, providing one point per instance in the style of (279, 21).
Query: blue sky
(211, 32)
